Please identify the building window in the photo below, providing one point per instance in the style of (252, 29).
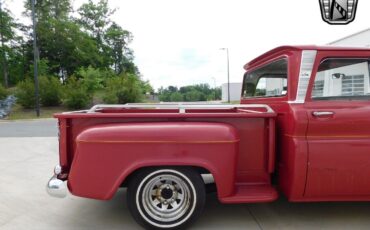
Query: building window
(318, 88)
(353, 85)
(341, 79)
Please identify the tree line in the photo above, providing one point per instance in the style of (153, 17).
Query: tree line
(67, 40)
(82, 47)
(199, 92)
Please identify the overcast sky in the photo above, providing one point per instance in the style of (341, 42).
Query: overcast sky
(178, 42)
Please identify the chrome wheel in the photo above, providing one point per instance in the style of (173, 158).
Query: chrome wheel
(166, 198)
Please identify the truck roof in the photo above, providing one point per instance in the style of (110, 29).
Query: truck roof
(285, 49)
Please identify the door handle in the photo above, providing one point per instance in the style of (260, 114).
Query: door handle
(322, 114)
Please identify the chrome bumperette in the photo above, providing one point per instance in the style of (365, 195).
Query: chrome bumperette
(56, 187)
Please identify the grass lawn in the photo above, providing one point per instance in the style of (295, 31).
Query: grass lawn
(45, 112)
(231, 102)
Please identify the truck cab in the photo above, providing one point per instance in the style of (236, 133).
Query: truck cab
(322, 99)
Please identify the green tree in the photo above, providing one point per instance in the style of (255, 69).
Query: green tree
(193, 95)
(112, 40)
(88, 47)
(146, 87)
(117, 40)
(123, 89)
(176, 97)
(95, 18)
(7, 35)
(70, 50)
(76, 94)
(26, 93)
(200, 92)
(50, 91)
(3, 92)
(47, 9)
(91, 78)
(17, 62)
(61, 41)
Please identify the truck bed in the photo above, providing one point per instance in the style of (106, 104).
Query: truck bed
(255, 125)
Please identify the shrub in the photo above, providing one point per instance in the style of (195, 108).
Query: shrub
(110, 97)
(50, 91)
(91, 78)
(25, 93)
(176, 97)
(194, 95)
(166, 96)
(76, 95)
(123, 89)
(3, 92)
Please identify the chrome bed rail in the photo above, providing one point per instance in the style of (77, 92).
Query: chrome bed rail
(182, 107)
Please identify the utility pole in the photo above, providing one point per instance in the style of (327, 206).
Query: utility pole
(35, 60)
(228, 74)
(4, 62)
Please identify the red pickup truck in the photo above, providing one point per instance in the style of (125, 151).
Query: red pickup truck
(302, 130)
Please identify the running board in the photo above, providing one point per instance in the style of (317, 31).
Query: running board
(251, 194)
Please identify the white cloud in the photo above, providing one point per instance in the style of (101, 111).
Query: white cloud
(177, 42)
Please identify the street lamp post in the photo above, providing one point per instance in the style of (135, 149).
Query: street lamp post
(214, 81)
(228, 74)
(35, 71)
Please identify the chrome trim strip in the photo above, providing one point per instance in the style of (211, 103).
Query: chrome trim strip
(182, 107)
(307, 62)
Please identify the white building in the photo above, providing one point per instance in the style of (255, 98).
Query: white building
(361, 39)
(235, 91)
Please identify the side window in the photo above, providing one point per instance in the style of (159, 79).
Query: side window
(268, 81)
(342, 79)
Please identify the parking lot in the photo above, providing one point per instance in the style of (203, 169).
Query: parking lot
(28, 153)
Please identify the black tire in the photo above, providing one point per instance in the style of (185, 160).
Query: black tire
(166, 198)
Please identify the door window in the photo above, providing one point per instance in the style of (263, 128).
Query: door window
(342, 79)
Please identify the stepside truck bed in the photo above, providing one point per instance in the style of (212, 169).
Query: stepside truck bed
(100, 148)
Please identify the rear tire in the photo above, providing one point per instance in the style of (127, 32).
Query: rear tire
(167, 198)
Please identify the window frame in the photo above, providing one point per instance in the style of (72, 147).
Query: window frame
(337, 98)
(283, 57)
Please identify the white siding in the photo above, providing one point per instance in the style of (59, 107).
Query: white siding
(361, 39)
(235, 91)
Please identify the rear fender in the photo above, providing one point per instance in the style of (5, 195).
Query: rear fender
(107, 154)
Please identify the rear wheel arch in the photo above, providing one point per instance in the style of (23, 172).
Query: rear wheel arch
(201, 170)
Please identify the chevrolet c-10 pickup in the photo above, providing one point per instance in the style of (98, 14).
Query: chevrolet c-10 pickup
(302, 130)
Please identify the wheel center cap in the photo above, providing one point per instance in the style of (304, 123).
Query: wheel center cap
(166, 193)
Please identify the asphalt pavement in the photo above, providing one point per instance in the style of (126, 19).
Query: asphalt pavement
(29, 128)
(27, 157)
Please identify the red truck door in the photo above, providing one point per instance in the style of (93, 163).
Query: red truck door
(338, 134)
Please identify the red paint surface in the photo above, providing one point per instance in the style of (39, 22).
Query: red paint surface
(311, 159)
